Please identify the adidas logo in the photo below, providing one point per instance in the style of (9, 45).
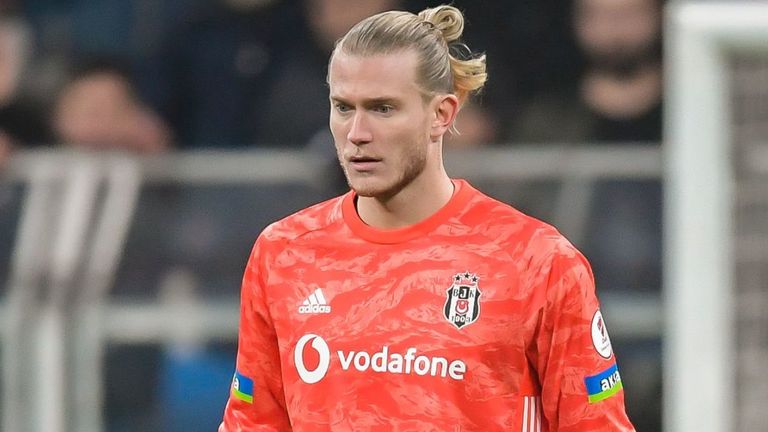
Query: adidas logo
(315, 304)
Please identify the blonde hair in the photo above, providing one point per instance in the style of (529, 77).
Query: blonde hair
(434, 35)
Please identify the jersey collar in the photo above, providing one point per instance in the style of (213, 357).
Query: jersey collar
(461, 195)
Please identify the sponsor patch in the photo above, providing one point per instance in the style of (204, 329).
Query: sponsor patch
(242, 387)
(312, 357)
(603, 385)
(600, 339)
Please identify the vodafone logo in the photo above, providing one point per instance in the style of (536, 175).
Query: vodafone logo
(321, 350)
(312, 357)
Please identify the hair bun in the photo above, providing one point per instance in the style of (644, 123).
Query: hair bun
(447, 19)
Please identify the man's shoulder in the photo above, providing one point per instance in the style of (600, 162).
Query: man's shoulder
(518, 227)
(493, 212)
(310, 219)
(538, 244)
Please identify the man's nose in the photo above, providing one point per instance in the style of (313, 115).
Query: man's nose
(359, 131)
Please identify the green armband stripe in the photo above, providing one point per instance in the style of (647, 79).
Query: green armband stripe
(606, 394)
(242, 396)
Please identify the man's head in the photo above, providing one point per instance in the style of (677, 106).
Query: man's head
(99, 110)
(618, 34)
(395, 89)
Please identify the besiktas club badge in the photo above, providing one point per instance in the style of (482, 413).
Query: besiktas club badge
(462, 305)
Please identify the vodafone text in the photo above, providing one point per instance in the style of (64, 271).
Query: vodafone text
(380, 361)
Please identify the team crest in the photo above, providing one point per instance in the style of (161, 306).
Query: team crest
(462, 305)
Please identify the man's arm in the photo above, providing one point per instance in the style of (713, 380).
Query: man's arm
(256, 400)
(581, 385)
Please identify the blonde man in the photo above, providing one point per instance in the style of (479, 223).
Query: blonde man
(414, 302)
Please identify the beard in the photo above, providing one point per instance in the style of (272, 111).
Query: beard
(410, 165)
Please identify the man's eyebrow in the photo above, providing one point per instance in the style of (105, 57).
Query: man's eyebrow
(372, 101)
(384, 100)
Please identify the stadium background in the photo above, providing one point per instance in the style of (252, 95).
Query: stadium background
(144, 144)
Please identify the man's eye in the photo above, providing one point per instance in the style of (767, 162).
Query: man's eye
(384, 109)
(342, 108)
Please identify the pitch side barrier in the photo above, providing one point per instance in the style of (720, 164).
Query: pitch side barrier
(76, 218)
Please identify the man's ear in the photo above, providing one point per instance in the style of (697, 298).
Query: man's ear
(446, 107)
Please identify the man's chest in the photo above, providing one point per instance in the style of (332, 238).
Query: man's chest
(438, 299)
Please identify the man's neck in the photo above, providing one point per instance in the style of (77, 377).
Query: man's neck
(414, 203)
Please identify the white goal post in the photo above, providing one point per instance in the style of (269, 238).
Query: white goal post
(699, 366)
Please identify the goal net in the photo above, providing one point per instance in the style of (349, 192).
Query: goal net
(716, 217)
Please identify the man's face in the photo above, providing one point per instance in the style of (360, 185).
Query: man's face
(615, 32)
(379, 121)
(92, 110)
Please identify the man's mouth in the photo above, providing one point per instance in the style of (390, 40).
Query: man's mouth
(363, 163)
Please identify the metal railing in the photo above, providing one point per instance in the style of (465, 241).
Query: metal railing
(77, 212)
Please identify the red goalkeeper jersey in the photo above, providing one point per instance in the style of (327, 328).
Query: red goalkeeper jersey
(479, 318)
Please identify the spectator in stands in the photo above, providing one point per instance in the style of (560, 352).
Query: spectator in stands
(100, 110)
(617, 96)
(616, 99)
(210, 78)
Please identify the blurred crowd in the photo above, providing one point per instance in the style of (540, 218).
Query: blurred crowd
(153, 76)
(179, 74)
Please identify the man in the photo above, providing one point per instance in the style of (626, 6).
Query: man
(618, 94)
(99, 110)
(414, 302)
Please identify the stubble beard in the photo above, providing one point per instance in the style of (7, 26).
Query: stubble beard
(413, 165)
